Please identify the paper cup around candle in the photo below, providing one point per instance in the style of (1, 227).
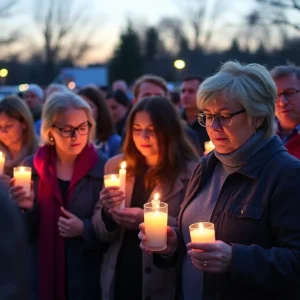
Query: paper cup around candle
(156, 221)
(203, 232)
(22, 177)
(2, 162)
(112, 180)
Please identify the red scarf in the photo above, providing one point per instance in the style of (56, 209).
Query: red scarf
(51, 246)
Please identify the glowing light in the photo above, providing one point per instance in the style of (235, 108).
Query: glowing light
(71, 85)
(23, 87)
(179, 64)
(3, 73)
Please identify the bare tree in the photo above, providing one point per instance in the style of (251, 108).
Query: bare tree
(67, 32)
(202, 17)
(281, 13)
(7, 10)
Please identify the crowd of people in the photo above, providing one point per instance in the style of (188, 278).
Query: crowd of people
(70, 239)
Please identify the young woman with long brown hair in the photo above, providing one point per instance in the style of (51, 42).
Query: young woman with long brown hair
(159, 159)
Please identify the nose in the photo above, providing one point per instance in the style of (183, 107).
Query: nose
(215, 124)
(145, 134)
(282, 100)
(74, 134)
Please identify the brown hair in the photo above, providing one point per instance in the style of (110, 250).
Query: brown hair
(16, 109)
(174, 147)
(105, 127)
(159, 81)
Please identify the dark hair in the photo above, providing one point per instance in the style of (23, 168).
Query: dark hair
(105, 127)
(193, 77)
(174, 147)
(285, 71)
(156, 80)
(120, 97)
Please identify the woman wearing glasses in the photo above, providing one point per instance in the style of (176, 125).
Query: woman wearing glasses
(249, 188)
(159, 159)
(64, 254)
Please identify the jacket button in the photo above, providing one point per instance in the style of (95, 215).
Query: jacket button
(148, 270)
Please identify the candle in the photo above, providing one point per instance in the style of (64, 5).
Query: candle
(203, 232)
(22, 177)
(111, 180)
(2, 162)
(122, 175)
(155, 202)
(156, 221)
(209, 146)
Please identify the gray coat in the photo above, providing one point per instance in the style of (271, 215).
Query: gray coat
(83, 256)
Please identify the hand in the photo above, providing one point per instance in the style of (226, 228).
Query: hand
(69, 225)
(111, 197)
(211, 257)
(5, 180)
(171, 241)
(17, 194)
(129, 218)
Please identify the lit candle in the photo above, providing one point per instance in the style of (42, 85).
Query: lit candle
(122, 175)
(203, 232)
(209, 146)
(111, 180)
(156, 221)
(22, 177)
(155, 201)
(2, 162)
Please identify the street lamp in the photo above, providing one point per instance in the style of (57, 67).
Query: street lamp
(3, 74)
(179, 64)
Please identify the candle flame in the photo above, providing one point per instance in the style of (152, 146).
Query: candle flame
(156, 196)
(21, 169)
(113, 177)
(201, 227)
(1, 154)
(123, 165)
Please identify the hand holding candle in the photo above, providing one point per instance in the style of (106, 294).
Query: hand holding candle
(111, 180)
(2, 162)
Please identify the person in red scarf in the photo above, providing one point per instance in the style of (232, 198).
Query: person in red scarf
(63, 252)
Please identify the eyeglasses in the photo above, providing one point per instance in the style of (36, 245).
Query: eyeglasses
(288, 95)
(206, 120)
(69, 131)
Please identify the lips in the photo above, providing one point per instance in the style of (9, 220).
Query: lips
(145, 146)
(75, 145)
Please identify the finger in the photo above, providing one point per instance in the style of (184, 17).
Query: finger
(63, 221)
(207, 266)
(208, 247)
(63, 227)
(142, 237)
(12, 182)
(202, 255)
(66, 213)
(142, 227)
(145, 248)
(64, 234)
(125, 213)
(18, 195)
(111, 188)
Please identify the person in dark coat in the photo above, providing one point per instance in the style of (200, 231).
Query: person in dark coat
(12, 279)
(64, 255)
(249, 188)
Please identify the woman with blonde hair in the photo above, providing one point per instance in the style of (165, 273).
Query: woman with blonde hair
(17, 135)
(67, 172)
(159, 159)
(248, 187)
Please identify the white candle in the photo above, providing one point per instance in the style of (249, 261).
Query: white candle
(156, 221)
(111, 180)
(209, 146)
(2, 162)
(22, 177)
(202, 232)
(122, 175)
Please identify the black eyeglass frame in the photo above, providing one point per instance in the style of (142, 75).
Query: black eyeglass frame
(215, 116)
(72, 130)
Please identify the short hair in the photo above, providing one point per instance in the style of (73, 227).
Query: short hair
(17, 109)
(285, 71)
(249, 85)
(104, 123)
(59, 102)
(156, 80)
(120, 97)
(192, 77)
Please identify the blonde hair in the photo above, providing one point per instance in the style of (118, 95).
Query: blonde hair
(250, 85)
(156, 80)
(59, 102)
(17, 109)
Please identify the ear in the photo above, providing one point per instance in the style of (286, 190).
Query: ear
(24, 126)
(258, 121)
